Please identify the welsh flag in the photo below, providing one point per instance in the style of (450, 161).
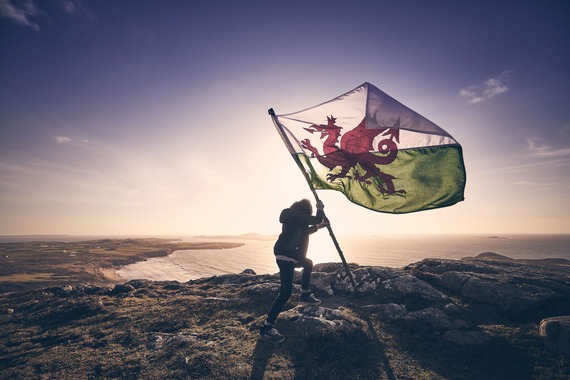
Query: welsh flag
(379, 153)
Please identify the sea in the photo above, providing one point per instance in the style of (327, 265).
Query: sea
(387, 251)
(395, 251)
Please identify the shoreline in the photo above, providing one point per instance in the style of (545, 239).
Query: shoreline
(111, 274)
(41, 264)
(37, 264)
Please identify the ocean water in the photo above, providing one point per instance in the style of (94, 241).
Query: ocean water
(388, 251)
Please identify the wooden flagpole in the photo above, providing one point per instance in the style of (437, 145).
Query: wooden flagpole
(317, 199)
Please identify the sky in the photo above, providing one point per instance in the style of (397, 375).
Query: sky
(140, 117)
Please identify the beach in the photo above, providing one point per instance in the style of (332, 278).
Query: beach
(36, 264)
(386, 251)
(39, 263)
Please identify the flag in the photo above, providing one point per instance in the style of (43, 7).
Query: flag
(379, 153)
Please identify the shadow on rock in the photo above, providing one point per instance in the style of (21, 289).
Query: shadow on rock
(325, 343)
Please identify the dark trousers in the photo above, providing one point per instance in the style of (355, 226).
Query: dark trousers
(286, 272)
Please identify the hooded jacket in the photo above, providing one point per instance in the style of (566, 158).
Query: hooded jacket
(293, 241)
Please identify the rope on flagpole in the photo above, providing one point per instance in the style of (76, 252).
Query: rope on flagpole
(317, 199)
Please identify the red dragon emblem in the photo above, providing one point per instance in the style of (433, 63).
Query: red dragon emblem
(355, 149)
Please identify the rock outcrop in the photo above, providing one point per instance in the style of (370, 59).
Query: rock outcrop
(317, 320)
(555, 333)
(486, 317)
(514, 289)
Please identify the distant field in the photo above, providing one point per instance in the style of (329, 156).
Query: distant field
(37, 264)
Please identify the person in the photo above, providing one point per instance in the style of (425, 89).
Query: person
(291, 252)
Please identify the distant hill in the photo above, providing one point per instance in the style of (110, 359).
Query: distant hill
(246, 236)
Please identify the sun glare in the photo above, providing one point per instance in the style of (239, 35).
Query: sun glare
(322, 249)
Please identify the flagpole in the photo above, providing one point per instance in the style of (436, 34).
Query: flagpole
(317, 199)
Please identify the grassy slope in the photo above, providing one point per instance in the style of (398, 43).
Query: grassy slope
(55, 333)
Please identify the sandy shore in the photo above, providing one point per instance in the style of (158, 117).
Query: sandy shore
(39, 264)
(172, 266)
(111, 275)
(185, 265)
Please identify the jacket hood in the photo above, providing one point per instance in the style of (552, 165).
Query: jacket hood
(285, 214)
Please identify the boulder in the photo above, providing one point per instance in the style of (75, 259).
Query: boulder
(122, 288)
(453, 281)
(389, 311)
(328, 267)
(139, 283)
(512, 298)
(410, 287)
(323, 283)
(309, 321)
(171, 285)
(433, 319)
(451, 309)
(233, 279)
(518, 288)
(386, 284)
(91, 289)
(441, 266)
(265, 293)
(555, 333)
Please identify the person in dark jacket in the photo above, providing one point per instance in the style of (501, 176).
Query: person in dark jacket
(291, 252)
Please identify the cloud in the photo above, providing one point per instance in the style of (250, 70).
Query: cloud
(76, 8)
(536, 148)
(21, 13)
(488, 89)
(62, 139)
(536, 164)
(69, 140)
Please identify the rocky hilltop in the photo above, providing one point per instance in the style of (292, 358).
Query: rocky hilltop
(486, 317)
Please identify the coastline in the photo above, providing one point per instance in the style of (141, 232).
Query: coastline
(112, 274)
(104, 261)
(40, 264)
(392, 252)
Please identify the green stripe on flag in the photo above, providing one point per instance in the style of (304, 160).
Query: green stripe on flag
(431, 177)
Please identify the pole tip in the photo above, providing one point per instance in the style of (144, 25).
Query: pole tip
(271, 112)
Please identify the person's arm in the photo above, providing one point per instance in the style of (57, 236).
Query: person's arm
(320, 215)
(318, 218)
(313, 220)
(316, 227)
(325, 223)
